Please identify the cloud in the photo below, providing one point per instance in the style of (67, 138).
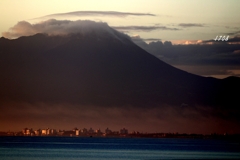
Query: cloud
(233, 33)
(95, 13)
(234, 39)
(63, 27)
(22, 28)
(56, 27)
(207, 58)
(217, 71)
(142, 42)
(236, 52)
(151, 39)
(191, 25)
(195, 54)
(143, 28)
(138, 38)
(139, 41)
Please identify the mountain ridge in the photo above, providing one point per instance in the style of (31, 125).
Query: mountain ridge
(108, 71)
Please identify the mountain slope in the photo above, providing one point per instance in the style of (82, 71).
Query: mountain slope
(101, 69)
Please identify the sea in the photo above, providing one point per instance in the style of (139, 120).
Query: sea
(93, 148)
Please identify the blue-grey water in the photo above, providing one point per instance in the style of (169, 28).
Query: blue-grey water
(74, 148)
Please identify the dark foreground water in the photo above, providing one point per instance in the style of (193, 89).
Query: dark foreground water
(73, 148)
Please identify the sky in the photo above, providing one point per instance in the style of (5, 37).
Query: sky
(179, 32)
(181, 22)
(193, 20)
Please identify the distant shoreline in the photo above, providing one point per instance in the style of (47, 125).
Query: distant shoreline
(235, 137)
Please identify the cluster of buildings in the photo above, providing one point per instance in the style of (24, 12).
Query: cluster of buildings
(109, 133)
(73, 132)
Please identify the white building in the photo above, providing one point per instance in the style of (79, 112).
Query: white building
(77, 132)
(44, 132)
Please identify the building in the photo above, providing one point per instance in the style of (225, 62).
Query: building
(84, 131)
(53, 132)
(44, 132)
(124, 131)
(28, 132)
(48, 131)
(108, 131)
(98, 132)
(90, 131)
(38, 132)
(76, 131)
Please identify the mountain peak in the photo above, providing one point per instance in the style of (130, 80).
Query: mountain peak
(89, 62)
(53, 27)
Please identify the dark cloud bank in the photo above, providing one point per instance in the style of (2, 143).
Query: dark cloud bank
(96, 77)
(207, 59)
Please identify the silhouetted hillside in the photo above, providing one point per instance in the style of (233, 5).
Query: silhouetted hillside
(102, 69)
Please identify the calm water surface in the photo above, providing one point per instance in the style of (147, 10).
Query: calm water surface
(74, 148)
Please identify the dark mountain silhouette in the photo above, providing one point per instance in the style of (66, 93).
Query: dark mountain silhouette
(102, 69)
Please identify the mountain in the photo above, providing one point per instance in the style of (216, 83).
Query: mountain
(102, 67)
